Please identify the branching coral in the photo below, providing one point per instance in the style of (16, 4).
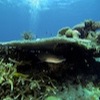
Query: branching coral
(15, 85)
(7, 73)
(18, 86)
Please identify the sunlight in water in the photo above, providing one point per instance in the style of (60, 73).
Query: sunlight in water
(38, 4)
(49, 4)
(34, 3)
(34, 7)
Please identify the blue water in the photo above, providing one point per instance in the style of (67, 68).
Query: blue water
(43, 17)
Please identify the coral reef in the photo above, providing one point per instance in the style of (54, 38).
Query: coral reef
(86, 30)
(62, 31)
(16, 86)
(28, 36)
(87, 27)
(65, 67)
(98, 38)
(68, 32)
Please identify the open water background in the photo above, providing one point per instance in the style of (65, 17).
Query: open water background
(43, 17)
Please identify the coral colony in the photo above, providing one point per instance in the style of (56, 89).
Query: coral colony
(64, 67)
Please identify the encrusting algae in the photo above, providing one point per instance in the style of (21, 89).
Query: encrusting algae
(65, 67)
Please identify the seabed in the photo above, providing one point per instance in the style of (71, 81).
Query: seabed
(64, 67)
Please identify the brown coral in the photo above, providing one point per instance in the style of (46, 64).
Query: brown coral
(87, 27)
(62, 31)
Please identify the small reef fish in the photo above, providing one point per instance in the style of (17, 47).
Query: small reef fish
(50, 58)
(17, 74)
(97, 59)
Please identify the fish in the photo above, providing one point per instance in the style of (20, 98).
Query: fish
(17, 74)
(51, 58)
(97, 59)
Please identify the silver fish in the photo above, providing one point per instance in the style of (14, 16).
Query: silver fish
(50, 58)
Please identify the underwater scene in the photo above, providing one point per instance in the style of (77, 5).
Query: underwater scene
(49, 50)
